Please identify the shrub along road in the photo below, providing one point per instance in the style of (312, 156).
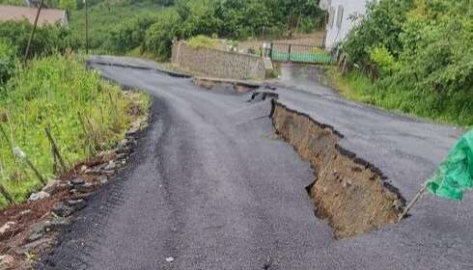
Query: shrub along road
(210, 188)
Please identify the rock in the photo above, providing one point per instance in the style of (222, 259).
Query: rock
(57, 188)
(8, 230)
(63, 210)
(77, 205)
(132, 142)
(25, 212)
(121, 156)
(66, 209)
(135, 128)
(111, 166)
(36, 245)
(39, 196)
(57, 223)
(7, 226)
(83, 168)
(38, 230)
(6, 261)
(122, 149)
(169, 259)
(103, 179)
(78, 182)
(34, 237)
(86, 188)
(123, 143)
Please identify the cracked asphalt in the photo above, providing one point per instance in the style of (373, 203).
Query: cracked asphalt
(211, 187)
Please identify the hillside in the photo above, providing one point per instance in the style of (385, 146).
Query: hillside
(105, 17)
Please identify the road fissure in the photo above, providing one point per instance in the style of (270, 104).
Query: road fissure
(349, 192)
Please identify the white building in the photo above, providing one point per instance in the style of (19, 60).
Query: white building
(341, 19)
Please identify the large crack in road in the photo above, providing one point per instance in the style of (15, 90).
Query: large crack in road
(348, 191)
(211, 188)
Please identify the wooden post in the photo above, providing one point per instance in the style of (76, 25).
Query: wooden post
(27, 52)
(56, 152)
(36, 172)
(86, 28)
(22, 156)
(289, 54)
(414, 201)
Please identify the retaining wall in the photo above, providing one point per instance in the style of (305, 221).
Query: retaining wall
(218, 63)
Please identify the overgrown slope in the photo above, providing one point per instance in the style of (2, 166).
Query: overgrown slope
(419, 57)
(84, 114)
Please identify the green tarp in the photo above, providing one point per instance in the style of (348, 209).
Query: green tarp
(454, 176)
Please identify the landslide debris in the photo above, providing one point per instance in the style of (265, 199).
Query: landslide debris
(347, 191)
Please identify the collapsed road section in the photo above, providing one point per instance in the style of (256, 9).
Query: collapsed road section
(347, 191)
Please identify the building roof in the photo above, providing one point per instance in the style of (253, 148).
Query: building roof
(17, 13)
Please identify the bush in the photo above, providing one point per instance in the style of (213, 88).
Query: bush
(160, 35)
(201, 41)
(423, 46)
(47, 40)
(129, 35)
(8, 61)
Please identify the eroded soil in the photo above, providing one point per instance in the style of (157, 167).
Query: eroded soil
(348, 191)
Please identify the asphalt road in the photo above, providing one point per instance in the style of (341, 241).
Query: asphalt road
(210, 187)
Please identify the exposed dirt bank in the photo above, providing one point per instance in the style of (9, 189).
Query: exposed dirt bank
(348, 191)
(238, 86)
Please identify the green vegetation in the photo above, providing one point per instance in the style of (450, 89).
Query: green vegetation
(114, 28)
(59, 4)
(149, 27)
(419, 58)
(12, 2)
(8, 61)
(48, 39)
(201, 41)
(85, 115)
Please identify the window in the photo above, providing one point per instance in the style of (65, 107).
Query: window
(340, 16)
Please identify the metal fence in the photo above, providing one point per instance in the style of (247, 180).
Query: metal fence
(288, 52)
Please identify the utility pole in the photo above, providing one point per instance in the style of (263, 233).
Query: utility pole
(27, 52)
(86, 28)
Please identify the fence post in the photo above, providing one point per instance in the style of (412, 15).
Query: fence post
(55, 151)
(289, 54)
(33, 30)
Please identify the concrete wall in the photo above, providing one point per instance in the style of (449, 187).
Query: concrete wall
(340, 19)
(217, 63)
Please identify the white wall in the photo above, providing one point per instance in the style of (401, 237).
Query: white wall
(336, 32)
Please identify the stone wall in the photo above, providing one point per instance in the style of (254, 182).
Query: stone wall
(218, 63)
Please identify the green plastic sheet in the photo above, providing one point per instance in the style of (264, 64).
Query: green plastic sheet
(454, 176)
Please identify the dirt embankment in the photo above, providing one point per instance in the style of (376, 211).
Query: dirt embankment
(348, 191)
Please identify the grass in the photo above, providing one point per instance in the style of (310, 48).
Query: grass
(202, 41)
(451, 108)
(85, 114)
(104, 17)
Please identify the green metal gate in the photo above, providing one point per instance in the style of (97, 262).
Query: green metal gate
(287, 52)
